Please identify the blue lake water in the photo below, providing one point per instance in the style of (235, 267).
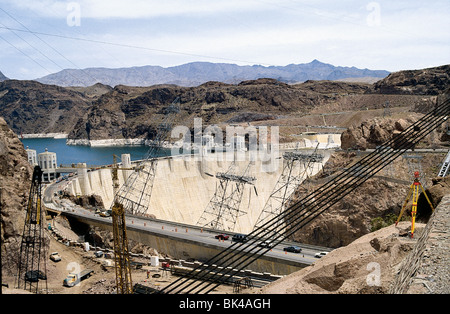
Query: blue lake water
(68, 154)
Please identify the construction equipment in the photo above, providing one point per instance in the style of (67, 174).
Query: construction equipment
(75, 278)
(414, 192)
(134, 197)
(32, 255)
(121, 254)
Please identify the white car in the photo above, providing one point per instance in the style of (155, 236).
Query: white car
(320, 254)
(55, 257)
(265, 244)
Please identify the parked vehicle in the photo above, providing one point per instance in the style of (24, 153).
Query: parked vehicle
(222, 236)
(293, 249)
(105, 213)
(320, 254)
(55, 257)
(75, 278)
(98, 253)
(239, 238)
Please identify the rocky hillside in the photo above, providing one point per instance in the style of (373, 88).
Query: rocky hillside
(384, 261)
(346, 270)
(431, 81)
(32, 107)
(374, 202)
(103, 112)
(15, 178)
(135, 112)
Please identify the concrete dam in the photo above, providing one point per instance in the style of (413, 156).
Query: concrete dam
(183, 187)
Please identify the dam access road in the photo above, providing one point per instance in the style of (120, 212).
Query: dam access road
(163, 236)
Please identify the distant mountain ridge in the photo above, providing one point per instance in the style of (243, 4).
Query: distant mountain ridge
(197, 73)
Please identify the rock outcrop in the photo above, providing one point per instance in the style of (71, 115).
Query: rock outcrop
(431, 81)
(372, 133)
(32, 107)
(15, 178)
(367, 265)
(379, 198)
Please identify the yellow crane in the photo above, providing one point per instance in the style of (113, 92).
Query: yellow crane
(121, 253)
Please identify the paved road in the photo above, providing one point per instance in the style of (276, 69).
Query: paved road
(175, 230)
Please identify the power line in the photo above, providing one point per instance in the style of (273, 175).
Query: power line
(48, 45)
(135, 46)
(238, 255)
(26, 55)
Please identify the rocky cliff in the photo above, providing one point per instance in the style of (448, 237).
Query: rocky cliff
(135, 112)
(381, 197)
(32, 107)
(431, 81)
(125, 112)
(15, 178)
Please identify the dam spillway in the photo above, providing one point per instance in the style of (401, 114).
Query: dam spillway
(183, 187)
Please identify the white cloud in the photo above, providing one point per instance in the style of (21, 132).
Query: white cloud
(131, 9)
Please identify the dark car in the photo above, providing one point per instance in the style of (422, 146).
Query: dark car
(222, 236)
(293, 249)
(239, 238)
(34, 275)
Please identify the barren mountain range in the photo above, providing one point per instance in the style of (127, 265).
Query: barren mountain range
(197, 73)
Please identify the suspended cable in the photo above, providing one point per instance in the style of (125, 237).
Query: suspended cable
(327, 196)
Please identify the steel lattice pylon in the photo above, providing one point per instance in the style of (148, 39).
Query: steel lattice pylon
(296, 166)
(32, 256)
(223, 211)
(136, 192)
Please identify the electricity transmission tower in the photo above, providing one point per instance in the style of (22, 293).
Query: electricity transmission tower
(136, 192)
(296, 167)
(223, 211)
(32, 255)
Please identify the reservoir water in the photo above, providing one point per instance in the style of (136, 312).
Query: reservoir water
(93, 156)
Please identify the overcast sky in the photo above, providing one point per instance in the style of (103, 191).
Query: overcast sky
(39, 37)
